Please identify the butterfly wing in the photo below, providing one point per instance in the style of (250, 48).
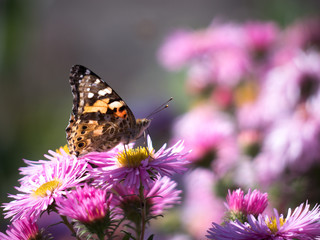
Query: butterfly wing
(100, 119)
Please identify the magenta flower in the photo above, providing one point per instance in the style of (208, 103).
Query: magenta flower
(261, 35)
(43, 183)
(240, 205)
(136, 166)
(302, 223)
(22, 229)
(160, 195)
(85, 204)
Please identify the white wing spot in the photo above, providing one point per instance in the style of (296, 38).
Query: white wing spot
(88, 72)
(105, 91)
(97, 81)
(116, 104)
(90, 95)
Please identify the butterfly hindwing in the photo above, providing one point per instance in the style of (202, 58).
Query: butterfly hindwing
(100, 119)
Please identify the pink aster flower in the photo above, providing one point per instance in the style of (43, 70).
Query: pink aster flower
(85, 204)
(240, 205)
(160, 195)
(22, 229)
(53, 156)
(43, 183)
(136, 166)
(302, 223)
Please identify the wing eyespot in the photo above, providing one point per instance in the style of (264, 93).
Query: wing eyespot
(82, 144)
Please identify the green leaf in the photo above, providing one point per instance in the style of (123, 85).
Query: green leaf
(151, 237)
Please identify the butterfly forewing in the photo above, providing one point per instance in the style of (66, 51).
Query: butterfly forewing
(100, 119)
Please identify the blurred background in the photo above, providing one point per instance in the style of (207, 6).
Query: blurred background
(119, 41)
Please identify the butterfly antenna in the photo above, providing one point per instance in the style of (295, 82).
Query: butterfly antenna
(160, 108)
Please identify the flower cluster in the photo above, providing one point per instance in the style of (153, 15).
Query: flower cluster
(255, 116)
(97, 191)
(302, 223)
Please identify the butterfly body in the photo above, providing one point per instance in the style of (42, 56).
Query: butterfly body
(100, 119)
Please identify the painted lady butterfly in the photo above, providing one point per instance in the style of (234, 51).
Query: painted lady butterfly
(100, 119)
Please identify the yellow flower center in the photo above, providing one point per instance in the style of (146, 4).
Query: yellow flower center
(272, 224)
(246, 93)
(64, 148)
(46, 187)
(133, 157)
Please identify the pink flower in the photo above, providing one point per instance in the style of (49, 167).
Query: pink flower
(284, 89)
(216, 55)
(201, 205)
(136, 166)
(303, 34)
(85, 204)
(43, 183)
(22, 229)
(252, 203)
(292, 143)
(209, 133)
(302, 223)
(261, 35)
(177, 50)
(160, 195)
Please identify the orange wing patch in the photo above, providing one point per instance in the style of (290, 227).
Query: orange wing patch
(99, 105)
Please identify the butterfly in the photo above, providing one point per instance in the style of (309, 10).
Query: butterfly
(100, 119)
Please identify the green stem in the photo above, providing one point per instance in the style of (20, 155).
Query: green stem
(69, 225)
(143, 212)
(101, 236)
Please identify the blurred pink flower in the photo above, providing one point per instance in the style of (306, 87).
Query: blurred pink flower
(216, 55)
(261, 35)
(304, 34)
(22, 229)
(284, 88)
(208, 132)
(201, 205)
(177, 50)
(292, 143)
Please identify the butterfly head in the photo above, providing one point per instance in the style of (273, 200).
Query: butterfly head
(142, 124)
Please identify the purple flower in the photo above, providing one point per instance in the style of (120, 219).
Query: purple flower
(136, 166)
(302, 223)
(160, 195)
(22, 229)
(240, 205)
(85, 204)
(43, 182)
